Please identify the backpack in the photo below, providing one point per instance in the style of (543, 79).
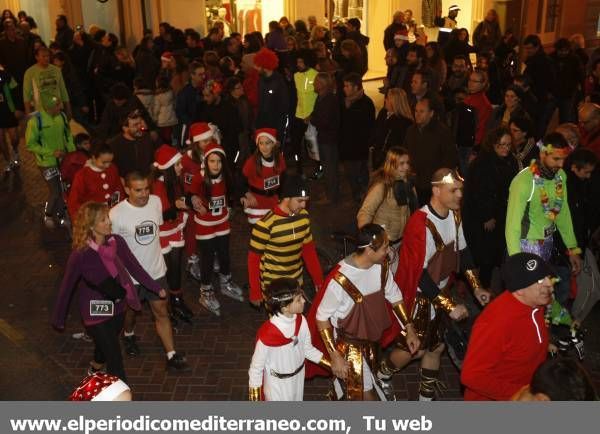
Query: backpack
(66, 131)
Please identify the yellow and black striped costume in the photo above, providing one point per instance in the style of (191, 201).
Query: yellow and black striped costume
(279, 240)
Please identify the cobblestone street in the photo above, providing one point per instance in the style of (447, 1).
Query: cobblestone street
(38, 363)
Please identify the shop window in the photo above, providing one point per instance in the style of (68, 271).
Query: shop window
(345, 9)
(243, 16)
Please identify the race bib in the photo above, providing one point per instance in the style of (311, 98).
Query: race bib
(115, 198)
(145, 232)
(102, 308)
(188, 178)
(50, 172)
(272, 182)
(216, 205)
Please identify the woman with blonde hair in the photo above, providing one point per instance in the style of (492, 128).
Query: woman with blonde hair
(391, 124)
(391, 197)
(101, 266)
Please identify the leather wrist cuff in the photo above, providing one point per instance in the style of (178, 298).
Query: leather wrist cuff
(327, 337)
(254, 394)
(444, 302)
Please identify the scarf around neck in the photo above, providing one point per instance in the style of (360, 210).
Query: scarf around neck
(116, 269)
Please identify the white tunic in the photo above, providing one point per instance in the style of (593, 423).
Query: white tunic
(284, 359)
(139, 226)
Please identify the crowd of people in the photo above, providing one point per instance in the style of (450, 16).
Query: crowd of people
(460, 177)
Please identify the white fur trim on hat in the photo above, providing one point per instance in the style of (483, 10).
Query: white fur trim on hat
(112, 391)
(169, 163)
(205, 135)
(267, 135)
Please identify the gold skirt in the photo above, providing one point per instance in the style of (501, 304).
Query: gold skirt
(356, 352)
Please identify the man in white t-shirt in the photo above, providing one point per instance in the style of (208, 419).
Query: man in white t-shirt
(137, 220)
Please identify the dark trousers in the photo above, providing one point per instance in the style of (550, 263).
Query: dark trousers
(219, 246)
(55, 204)
(173, 261)
(330, 157)
(108, 350)
(298, 130)
(357, 174)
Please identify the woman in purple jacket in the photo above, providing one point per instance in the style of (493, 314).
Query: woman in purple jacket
(100, 266)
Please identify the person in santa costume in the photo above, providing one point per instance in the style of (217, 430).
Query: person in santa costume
(101, 387)
(433, 248)
(209, 198)
(98, 181)
(283, 343)
(201, 134)
(75, 160)
(354, 315)
(263, 172)
(281, 242)
(168, 187)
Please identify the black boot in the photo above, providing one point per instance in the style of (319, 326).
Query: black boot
(180, 309)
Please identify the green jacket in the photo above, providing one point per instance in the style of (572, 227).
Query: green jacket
(53, 135)
(306, 92)
(525, 218)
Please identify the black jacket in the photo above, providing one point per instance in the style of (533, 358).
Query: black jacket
(326, 119)
(388, 34)
(542, 74)
(389, 131)
(133, 155)
(357, 125)
(110, 124)
(225, 116)
(571, 74)
(431, 148)
(273, 103)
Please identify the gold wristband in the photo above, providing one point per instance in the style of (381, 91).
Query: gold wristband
(254, 394)
(473, 279)
(402, 314)
(327, 337)
(444, 302)
(325, 363)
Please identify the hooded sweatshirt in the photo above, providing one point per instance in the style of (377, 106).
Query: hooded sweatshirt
(509, 341)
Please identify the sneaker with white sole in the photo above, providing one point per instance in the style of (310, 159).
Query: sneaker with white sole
(229, 288)
(208, 300)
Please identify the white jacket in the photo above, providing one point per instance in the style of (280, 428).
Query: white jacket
(163, 109)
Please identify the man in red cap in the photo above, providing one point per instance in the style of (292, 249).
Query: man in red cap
(273, 95)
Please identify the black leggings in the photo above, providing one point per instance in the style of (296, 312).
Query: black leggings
(218, 245)
(173, 261)
(108, 350)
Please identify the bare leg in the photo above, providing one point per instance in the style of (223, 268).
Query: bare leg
(163, 324)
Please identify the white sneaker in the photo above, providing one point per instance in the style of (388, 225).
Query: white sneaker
(229, 288)
(49, 222)
(209, 301)
(193, 267)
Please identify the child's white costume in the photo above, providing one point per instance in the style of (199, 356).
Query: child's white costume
(282, 345)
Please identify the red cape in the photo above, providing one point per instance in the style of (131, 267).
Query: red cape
(314, 370)
(271, 336)
(412, 258)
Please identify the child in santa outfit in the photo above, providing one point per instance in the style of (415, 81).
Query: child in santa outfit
(101, 387)
(201, 135)
(282, 344)
(97, 181)
(167, 185)
(263, 171)
(75, 160)
(208, 197)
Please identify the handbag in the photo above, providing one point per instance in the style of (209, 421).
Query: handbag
(312, 146)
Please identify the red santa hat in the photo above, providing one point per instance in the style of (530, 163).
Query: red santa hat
(200, 131)
(269, 133)
(212, 148)
(167, 56)
(165, 157)
(266, 59)
(99, 387)
(401, 34)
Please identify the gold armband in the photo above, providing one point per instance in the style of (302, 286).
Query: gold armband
(473, 279)
(327, 337)
(402, 314)
(254, 394)
(325, 363)
(444, 302)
